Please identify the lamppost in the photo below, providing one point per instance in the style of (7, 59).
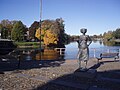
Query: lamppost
(40, 24)
(0, 33)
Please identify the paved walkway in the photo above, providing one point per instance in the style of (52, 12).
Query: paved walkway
(66, 76)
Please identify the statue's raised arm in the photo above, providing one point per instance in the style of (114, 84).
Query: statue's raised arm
(89, 40)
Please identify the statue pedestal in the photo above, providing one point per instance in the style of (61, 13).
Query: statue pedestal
(82, 70)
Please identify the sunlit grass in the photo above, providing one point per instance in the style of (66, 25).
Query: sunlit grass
(28, 44)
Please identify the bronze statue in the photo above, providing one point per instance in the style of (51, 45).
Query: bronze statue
(83, 53)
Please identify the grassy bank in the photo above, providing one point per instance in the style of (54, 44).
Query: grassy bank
(28, 44)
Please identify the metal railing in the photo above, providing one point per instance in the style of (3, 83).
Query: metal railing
(108, 50)
(94, 52)
(60, 50)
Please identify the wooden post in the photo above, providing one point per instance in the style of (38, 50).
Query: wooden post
(108, 50)
(60, 51)
(119, 52)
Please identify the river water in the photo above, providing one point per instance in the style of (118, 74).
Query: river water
(94, 49)
(70, 52)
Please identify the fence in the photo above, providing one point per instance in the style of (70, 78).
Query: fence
(94, 52)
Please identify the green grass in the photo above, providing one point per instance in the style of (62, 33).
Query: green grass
(32, 44)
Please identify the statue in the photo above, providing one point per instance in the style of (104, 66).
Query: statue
(83, 53)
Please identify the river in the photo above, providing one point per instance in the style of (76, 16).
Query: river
(94, 49)
(70, 52)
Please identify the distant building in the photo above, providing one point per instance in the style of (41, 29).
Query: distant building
(26, 36)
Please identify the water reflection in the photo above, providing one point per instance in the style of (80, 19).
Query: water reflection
(71, 50)
(111, 43)
(107, 43)
(48, 54)
(35, 54)
(95, 49)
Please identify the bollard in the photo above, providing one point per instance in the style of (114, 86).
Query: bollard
(18, 61)
(119, 53)
(108, 50)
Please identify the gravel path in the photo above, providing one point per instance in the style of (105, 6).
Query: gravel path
(50, 77)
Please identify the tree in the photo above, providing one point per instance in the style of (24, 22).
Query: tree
(6, 29)
(4, 33)
(1, 27)
(18, 31)
(37, 34)
(55, 27)
(50, 39)
(5, 22)
(58, 28)
(108, 35)
(32, 30)
(116, 33)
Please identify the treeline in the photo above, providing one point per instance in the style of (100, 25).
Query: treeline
(112, 35)
(14, 30)
(107, 36)
(52, 32)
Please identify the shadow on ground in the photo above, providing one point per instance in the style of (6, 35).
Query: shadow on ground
(88, 80)
(108, 80)
(11, 64)
(95, 66)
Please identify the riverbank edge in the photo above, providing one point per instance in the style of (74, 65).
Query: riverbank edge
(28, 44)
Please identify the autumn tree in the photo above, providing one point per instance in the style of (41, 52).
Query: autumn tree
(50, 39)
(40, 34)
(3, 32)
(55, 27)
(32, 30)
(5, 29)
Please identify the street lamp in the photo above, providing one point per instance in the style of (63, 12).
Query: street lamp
(40, 24)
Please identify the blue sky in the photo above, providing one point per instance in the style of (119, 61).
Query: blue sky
(98, 16)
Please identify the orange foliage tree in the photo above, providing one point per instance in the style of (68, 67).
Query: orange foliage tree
(47, 36)
(37, 34)
(50, 38)
(52, 32)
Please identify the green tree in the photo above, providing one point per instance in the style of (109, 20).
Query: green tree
(1, 27)
(60, 31)
(108, 35)
(4, 33)
(18, 31)
(116, 33)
